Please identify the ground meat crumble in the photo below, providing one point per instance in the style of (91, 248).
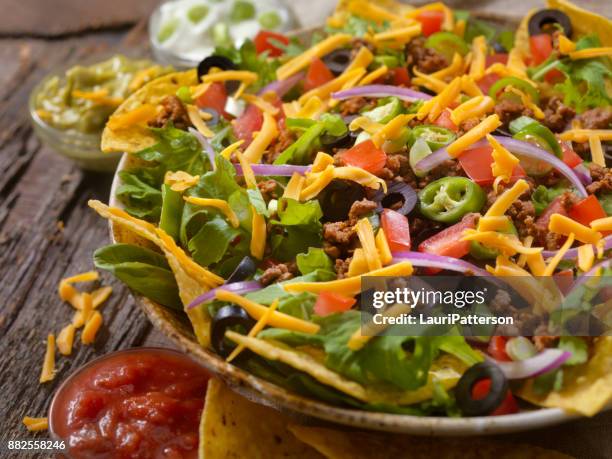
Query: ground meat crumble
(424, 59)
(172, 109)
(278, 273)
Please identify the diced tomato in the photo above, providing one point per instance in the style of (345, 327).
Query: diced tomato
(501, 58)
(497, 348)
(330, 302)
(445, 121)
(448, 241)
(541, 47)
(587, 210)
(555, 207)
(317, 75)
(247, 123)
(401, 76)
(477, 162)
(215, 97)
(507, 406)
(487, 81)
(570, 157)
(564, 280)
(366, 156)
(396, 230)
(431, 21)
(262, 42)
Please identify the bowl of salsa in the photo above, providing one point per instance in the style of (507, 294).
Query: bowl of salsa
(135, 403)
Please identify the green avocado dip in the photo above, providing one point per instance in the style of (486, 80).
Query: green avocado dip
(84, 98)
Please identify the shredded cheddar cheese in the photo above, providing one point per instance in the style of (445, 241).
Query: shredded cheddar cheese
(321, 181)
(294, 187)
(259, 326)
(597, 151)
(358, 264)
(586, 257)
(582, 135)
(219, 204)
(561, 224)
(365, 233)
(258, 235)
(508, 244)
(261, 103)
(554, 261)
(503, 164)
(602, 224)
(591, 52)
(486, 126)
(65, 339)
(398, 36)
(454, 69)
(260, 143)
(48, 369)
(35, 424)
(479, 55)
(372, 76)
(180, 181)
(429, 81)
(472, 108)
(227, 151)
(505, 200)
(392, 129)
(433, 107)
(382, 245)
(194, 116)
(91, 328)
(324, 91)
(139, 115)
(566, 45)
(495, 223)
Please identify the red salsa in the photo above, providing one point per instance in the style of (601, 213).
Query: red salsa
(143, 403)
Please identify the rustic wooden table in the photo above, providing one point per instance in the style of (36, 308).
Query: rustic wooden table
(47, 232)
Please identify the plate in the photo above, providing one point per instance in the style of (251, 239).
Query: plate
(259, 390)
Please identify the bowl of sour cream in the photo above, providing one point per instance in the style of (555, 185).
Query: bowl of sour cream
(183, 32)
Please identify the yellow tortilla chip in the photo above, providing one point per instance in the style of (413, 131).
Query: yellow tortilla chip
(135, 136)
(587, 388)
(191, 278)
(345, 444)
(446, 370)
(585, 22)
(234, 427)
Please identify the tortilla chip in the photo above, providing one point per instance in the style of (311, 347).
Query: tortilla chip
(191, 278)
(234, 427)
(345, 444)
(521, 36)
(135, 137)
(587, 388)
(446, 371)
(585, 22)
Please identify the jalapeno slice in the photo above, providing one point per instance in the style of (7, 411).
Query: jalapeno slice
(447, 44)
(448, 199)
(435, 136)
(481, 252)
(533, 167)
(519, 84)
(526, 125)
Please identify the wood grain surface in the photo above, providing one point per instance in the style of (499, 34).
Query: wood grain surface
(47, 232)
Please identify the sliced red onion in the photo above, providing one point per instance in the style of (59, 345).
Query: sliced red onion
(272, 170)
(282, 87)
(545, 361)
(429, 260)
(235, 287)
(381, 90)
(515, 146)
(583, 174)
(205, 145)
(573, 253)
(606, 264)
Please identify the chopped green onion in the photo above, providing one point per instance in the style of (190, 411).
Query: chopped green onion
(167, 30)
(221, 35)
(520, 348)
(197, 13)
(242, 10)
(184, 94)
(269, 20)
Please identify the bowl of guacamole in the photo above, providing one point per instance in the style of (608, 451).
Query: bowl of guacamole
(70, 107)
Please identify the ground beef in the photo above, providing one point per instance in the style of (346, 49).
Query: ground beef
(556, 114)
(467, 125)
(596, 118)
(543, 342)
(602, 179)
(284, 140)
(268, 189)
(421, 229)
(354, 105)
(544, 237)
(508, 110)
(342, 267)
(340, 233)
(361, 208)
(525, 321)
(522, 213)
(449, 168)
(172, 109)
(424, 59)
(278, 273)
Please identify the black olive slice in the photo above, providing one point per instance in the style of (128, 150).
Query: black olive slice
(343, 141)
(215, 60)
(396, 192)
(227, 316)
(245, 269)
(337, 198)
(497, 391)
(212, 122)
(541, 21)
(337, 61)
(499, 48)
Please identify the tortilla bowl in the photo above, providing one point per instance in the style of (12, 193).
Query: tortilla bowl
(176, 327)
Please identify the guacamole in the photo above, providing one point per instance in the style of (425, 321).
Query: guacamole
(85, 96)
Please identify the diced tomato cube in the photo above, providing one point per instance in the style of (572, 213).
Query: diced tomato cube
(587, 210)
(477, 162)
(317, 75)
(246, 124)
(401, 76)
(330, 302)
(397, 230)
(501, 58)
(570, 157)
(497, 348)
(541, 47)
(215, 97)
(366, 156)
(431, 21)
(444, 120)
(262, 42)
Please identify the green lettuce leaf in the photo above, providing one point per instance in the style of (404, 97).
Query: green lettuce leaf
(140, 198)
(543, 196)
(297, 228)
(315, 259)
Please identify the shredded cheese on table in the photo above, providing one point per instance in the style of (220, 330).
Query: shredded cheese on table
(35, 424)
(91, 328)
(65, 339)
(486, 126)
(219, 204)
(276, 319)
(48, 369)
(302, 61)
(561, 224)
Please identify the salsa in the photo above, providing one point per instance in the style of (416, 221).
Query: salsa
(141, 403)
(85, 96)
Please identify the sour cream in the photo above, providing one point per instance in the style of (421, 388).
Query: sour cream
(189, 30)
